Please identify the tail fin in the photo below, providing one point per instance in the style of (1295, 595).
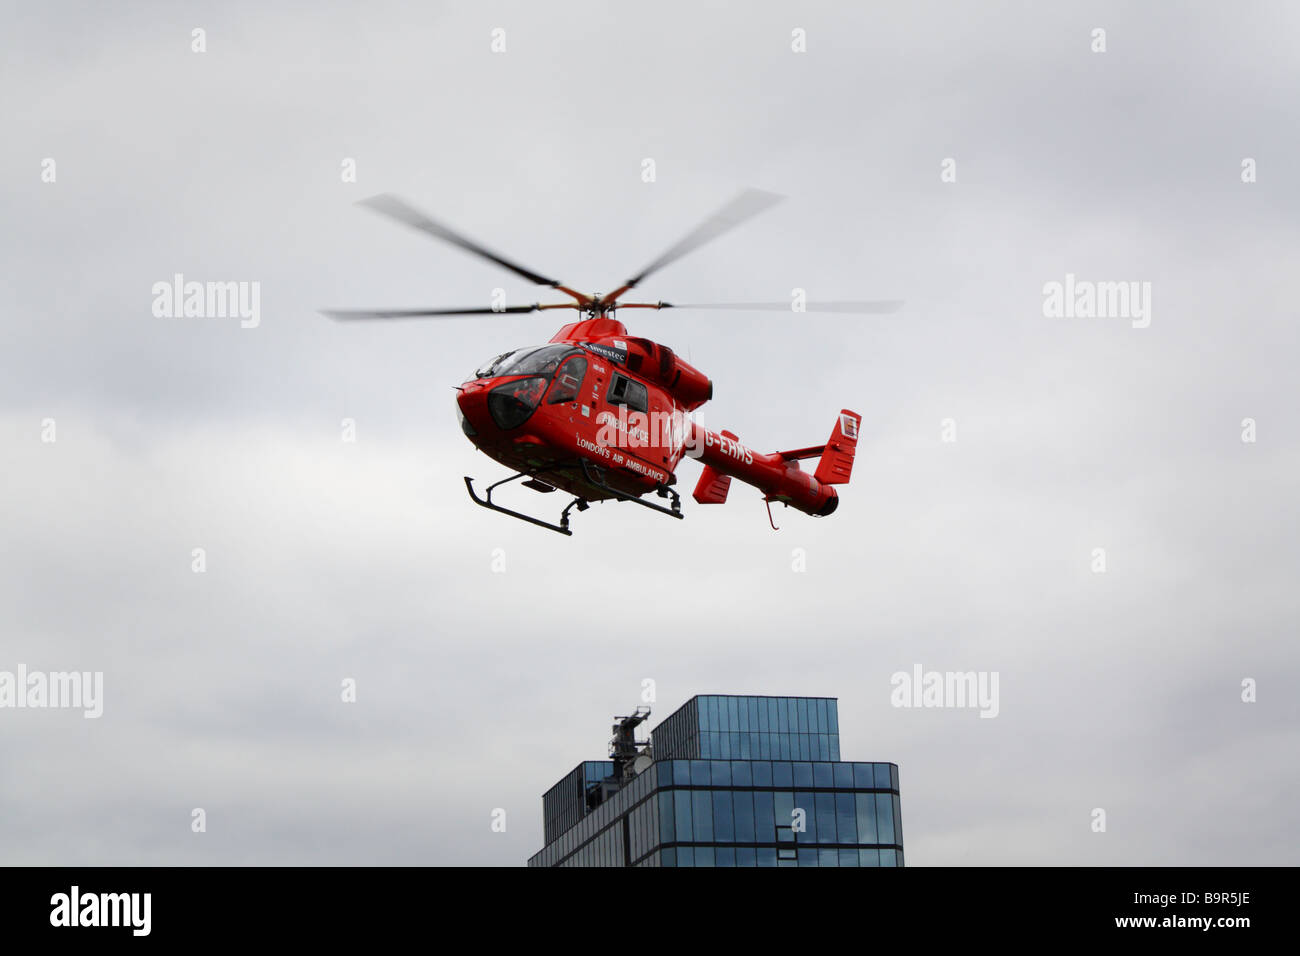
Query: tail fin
(836, 463)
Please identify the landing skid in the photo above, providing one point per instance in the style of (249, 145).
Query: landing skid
(594, 477)
(563, 527)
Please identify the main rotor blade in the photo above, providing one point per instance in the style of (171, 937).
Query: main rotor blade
(745, 206)
(869, 307)
(398, 209)
(426, 313)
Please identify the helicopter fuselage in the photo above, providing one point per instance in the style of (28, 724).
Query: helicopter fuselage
(595, 401)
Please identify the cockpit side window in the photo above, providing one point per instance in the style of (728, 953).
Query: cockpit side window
(568, 380)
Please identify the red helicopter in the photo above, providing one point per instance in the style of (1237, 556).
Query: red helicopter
(604, 415)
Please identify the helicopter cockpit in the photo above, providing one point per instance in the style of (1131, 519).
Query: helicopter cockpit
(511, 403)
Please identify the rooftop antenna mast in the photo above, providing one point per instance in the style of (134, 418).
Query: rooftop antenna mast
(629, 756)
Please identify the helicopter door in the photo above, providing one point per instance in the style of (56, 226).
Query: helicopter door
(568, 381)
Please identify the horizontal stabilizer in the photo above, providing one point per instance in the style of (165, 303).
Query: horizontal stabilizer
(713, 485)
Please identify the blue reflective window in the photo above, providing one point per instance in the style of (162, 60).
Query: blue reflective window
(801, 715)
(807, 856)
(826, 818)
(745, 856)
(702, 814)
(828, 857)
(733, 714)
(803, 775)
(682, 813)
(704, 856)
(846, 818)
(824, 746)
(766, 856)
(835, 747)
(814, 719)
(805, 747)
(868, 858)
(882, 776)
(666, 818)
(822, 776)
(724, 856)
(889, 858)
(764, 817)
(893, 776)
(781, 775)
(740, 775)
(864, 777)
(720, 773)
(681, 772)
(834, 712)
(753, 714)
(686, 856)
(848, 857)
(762, 773)
(742, 802)
(885, 817)
(715, 713)
(783, 809)
(844, 775)
(747, 746)
(724, 828)
(742, 724)
(762, 725)
(668, 857)
(700, 774)
(898, 821)
(866, 818)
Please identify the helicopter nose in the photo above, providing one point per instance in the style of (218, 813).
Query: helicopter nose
(471, 409)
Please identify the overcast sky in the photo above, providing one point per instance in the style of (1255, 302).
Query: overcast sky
(328, 560)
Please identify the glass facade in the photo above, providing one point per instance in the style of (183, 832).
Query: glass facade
(687, 809)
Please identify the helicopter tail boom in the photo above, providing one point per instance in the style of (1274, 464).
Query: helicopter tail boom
(778, 474)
